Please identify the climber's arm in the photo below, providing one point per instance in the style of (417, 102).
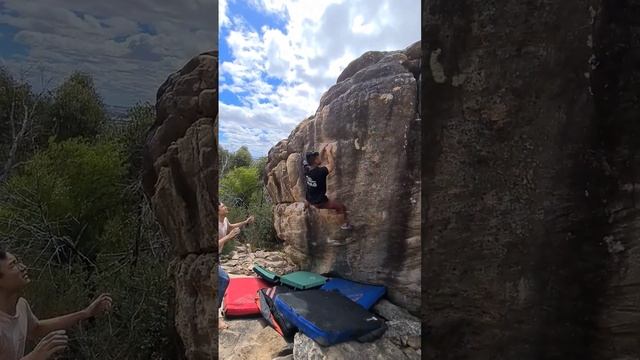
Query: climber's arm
(223, 240)
(326, 154)
(242, 223)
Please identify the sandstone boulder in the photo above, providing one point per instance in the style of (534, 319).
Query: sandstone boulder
(370, 119)
(383, 349)
(180, 169)
(251, 339)
(531, 162)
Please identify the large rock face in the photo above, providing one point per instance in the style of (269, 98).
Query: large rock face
(370, 119)
(531, 156)
(180, 178)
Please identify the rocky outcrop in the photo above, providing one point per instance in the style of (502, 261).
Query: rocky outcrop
(369, 119)
(241, 261)
(531, 156)
(251, 339)
(179, 176)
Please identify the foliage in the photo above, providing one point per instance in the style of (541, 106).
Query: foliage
(228, 161)
(20, 107)
(224, 161)
(261, 164)
(137, 326)
(240, 185)
(241, 189)
(132, 138)
(77, 109)
(261, 234)
(72, 186)
(241, 158)
(75, 212)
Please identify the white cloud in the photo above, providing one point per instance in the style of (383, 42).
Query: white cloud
(222, 9)
(130, 47)
(319, 40)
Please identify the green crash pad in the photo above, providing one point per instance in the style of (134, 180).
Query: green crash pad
(265, 274)
(303, 280)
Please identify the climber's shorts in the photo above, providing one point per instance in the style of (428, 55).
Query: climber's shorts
(223, 282)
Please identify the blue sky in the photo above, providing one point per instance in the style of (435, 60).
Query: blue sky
(255, 19)
(277, 57)
(129, 46)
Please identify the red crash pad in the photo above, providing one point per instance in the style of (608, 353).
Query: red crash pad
(240, 297)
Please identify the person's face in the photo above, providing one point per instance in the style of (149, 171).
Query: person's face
(13, 274)
(222, 210)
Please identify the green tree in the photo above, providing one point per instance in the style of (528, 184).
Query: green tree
(224, 161)
(239, 185)
(22, 115)
(242, 157)
(141, 117)
(261, 164)
(77, 109)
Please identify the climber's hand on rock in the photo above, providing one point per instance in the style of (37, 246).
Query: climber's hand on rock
(250, 219)
(331, 149)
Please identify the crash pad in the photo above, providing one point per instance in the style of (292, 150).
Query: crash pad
(269, 312)
(303, 280)
(365, 295)
(265, 274)
(328, 317)
(241, 294)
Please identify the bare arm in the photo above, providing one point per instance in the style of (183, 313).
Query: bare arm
(249, 220)
(223, 240)
(64, 322)
(43, 327)
(52, 343)
(327, 153)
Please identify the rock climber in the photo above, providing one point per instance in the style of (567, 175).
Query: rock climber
(18, 324)
(226, 231)
(316, 180)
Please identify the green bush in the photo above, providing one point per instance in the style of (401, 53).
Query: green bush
(136, 328)
(67, 193)
(80, 222)
(239, 186)
(260, 234)
(242, 191)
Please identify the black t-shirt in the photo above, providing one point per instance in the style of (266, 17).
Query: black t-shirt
(317, 185)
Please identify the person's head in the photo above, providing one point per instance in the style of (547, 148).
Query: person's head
(13, 273)
(222, 210)
(313, 158)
